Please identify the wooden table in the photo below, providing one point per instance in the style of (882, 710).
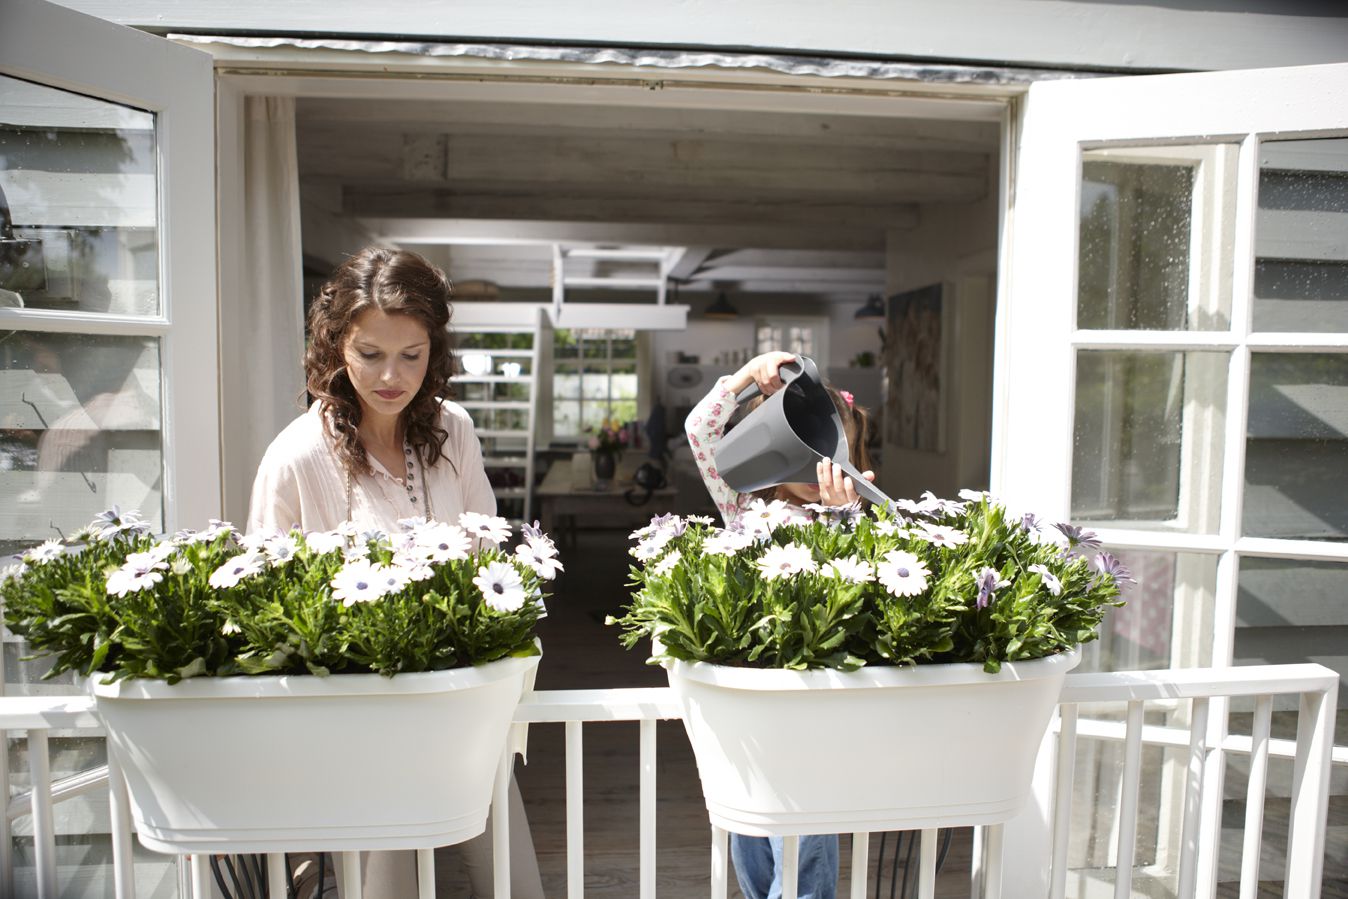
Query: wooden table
(563, 503)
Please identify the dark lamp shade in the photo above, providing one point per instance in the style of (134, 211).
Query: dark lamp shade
(873, 310)
(721, 308)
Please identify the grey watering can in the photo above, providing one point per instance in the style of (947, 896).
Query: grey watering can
(781, 441)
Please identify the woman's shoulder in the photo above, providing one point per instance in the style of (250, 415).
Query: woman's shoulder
(455, 418)
(302, 441)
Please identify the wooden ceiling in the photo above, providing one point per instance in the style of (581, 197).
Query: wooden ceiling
(762, 202)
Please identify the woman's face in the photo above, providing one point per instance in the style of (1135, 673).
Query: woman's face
(386, 358)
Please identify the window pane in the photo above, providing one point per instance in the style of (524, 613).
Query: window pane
(1297, 447)
(1147, 438)
(1301, 236)
(79, 431)
(79, 177)
(566, 419)
(1139, 267)
(1291, 611)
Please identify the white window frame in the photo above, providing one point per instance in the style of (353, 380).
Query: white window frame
(1038, 338)
(55, 46)
(565, 366)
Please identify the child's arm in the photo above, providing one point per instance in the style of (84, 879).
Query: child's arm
(706, 423)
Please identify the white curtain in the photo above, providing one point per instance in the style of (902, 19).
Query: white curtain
(262, 308)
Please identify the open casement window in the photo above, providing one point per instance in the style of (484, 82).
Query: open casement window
(1173, 372)
(108, 353)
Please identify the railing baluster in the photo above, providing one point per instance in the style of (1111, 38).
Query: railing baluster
(575, 811)
(500, 827)
(6, 829)
(994, 834)
(426, 874)
(1193, 798)
(926, 877)
(1310, 792)
(977, 862)
(790, 866)
(647, 809)
(44, 832)
(351, 879)
(720, 863)
(860, 847)
(1062, 799)
(1254, 798)
(276, 876)
(123, 851)
(200, 867)
(1132, 776)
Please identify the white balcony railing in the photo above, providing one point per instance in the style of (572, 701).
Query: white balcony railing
(1315, 687)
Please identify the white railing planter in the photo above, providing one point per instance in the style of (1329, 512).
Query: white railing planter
(881, 748)
(304, 763)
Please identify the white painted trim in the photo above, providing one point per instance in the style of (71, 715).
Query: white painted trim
(61, 48)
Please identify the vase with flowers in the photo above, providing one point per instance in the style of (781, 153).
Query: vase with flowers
(208, 650)
(924, 644)
(606, 444)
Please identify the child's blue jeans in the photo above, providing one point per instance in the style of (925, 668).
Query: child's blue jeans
(758, 866)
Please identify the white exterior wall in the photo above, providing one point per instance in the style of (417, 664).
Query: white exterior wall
(1222, 34)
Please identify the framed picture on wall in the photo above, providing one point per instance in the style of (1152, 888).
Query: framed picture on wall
(914, 358)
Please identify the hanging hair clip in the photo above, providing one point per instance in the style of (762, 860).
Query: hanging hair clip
(847, 398)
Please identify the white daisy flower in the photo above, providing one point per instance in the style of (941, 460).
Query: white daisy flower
(355, 552)
(1050, 580)
(666, 565)
(324, 542)
(254, 542)
(10, 572)
(542, 545)
(235, 570)
(1048, 535)
(850, 569)
(85, 534)
(130, 580)
(890, 528)
(785, 561)
(727, 542)
(281, 549)
(393, 578)
(764, 518)
(359, 581)
(700, 519)
(652, 546)
(902, 573)
(44, 552)
(180, 566)
(414, 523)
(660, 523)
(441, 542)
(491, 528)
(501, 585)
(940, 535)
(936, 504)
(229, 628)
(975, 496)
(541, 557)
(415, 567)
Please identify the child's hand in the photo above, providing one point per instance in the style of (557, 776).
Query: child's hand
(835, 488)
(763, 371)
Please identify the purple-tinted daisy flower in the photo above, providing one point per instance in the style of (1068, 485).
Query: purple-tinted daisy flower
(1078, 537)
(1107, 564)
(989, 581)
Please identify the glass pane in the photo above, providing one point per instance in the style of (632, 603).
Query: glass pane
(1292, 611)
(1166, 619)
(1301, 236)
(79, 179)
(1139, 265)
(594, 384)
(1297, 447)
(79, 432)
(566, 419)
(1147, 438)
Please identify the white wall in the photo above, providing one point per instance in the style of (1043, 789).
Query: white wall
(1110, 34)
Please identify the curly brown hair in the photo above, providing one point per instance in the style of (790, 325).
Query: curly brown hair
(399, 283)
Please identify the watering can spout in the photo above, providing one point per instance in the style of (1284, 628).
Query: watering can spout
(782, 440)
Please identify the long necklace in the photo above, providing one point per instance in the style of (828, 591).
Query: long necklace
(413, 462)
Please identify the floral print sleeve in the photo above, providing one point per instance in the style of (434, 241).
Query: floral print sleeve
(704, 426)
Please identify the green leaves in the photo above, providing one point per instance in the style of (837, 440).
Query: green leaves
(984, 587)
(282, 619)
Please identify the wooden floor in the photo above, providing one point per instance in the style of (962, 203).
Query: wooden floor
(580, 652)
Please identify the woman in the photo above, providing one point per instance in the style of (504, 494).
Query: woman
(381, 442)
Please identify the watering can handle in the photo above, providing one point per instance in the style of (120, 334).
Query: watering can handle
(788, 371)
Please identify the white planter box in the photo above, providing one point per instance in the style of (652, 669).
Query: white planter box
(284, 764)
(798, 752)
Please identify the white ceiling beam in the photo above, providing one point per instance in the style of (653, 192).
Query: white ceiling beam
(570, 203)
(684, 262)
(787, 272)
(489, 231)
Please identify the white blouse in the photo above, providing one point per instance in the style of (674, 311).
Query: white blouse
(300, 481)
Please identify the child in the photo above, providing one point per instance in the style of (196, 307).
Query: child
(758, 860)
